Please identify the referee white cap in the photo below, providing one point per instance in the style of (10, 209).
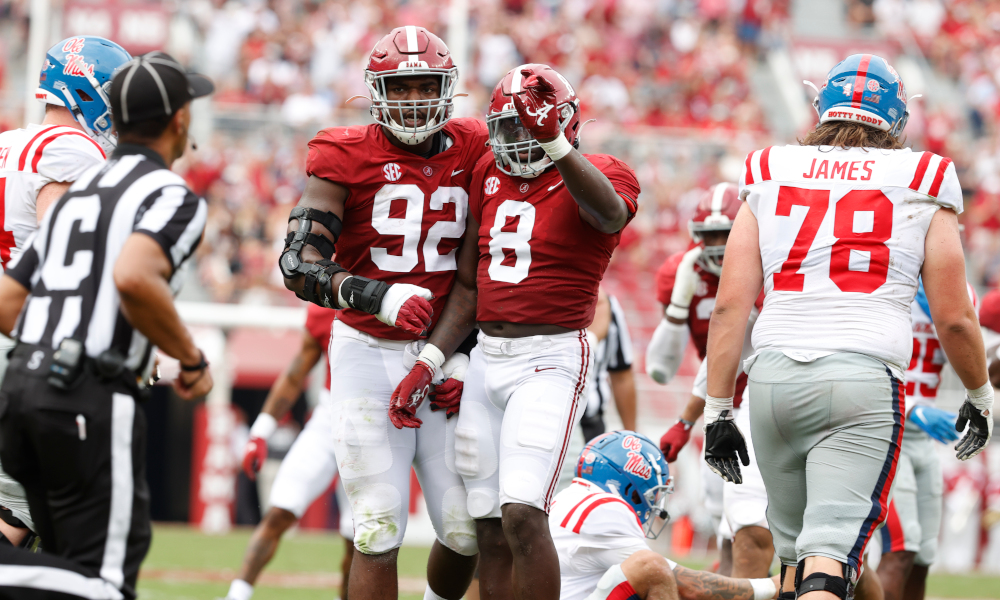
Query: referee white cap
(154, 85)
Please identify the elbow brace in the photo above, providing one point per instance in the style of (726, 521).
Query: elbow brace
(317, 275)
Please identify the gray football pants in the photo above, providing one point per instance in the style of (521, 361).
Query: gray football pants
(827, 437)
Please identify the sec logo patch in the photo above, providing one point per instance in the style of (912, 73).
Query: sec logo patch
(428, 171)
(872, 85)
(524, 187)
(392, 172)
(492, 185)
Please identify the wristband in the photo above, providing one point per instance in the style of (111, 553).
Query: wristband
(982, 396)
(201, 366)
(687, 424)
(678, 312)
(714, 407)
(557, 148)
(263, 426)
(763, 589)
(432, 356)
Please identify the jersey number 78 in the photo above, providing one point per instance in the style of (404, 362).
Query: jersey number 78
(817, 202)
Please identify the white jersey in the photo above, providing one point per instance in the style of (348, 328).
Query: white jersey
(30, 158)
(928, 359)
(842, 244)
(592, 531)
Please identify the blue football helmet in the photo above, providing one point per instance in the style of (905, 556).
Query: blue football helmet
(77, 75)
(630, 465)
(864, 88)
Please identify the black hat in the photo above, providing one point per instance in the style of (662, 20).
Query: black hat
(154, 85)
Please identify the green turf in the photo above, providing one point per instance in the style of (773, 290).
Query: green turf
(303, 552)
(183, 548)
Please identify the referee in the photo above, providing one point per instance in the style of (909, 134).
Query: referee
(91, 296)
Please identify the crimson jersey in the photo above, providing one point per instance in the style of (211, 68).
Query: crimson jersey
(702, 305)
(319, 324)
(539, 262)
(405, 214)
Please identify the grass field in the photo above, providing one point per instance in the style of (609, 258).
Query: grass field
(184, 564)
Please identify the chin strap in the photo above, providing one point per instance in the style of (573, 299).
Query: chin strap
(317, 277)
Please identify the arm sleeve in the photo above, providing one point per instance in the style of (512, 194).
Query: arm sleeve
(619, 341)
(66, 156)
(175, 219)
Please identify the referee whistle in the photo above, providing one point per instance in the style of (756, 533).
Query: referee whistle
(81, 427)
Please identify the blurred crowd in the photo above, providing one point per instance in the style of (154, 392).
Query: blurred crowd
(681, 65)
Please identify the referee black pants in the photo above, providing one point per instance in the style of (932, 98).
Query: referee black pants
(81, 457)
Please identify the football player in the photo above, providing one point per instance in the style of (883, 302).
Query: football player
(37, 166)
(543, 222)
(838, 231)
(308, 468)
(687, 284)
(601, 522)
(399, 191)
(910, 534)
(612, 374)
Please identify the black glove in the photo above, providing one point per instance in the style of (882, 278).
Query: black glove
(723, 443)
(980, 430)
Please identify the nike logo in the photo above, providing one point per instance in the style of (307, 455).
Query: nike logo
(555, 186)
(453, 173)
(537, 370)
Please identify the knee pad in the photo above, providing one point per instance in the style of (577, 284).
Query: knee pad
(484, 503)
(614, 584)
(378, 518)
(458, 529)
(822, 582)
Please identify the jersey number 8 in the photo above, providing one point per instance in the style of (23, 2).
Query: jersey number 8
(788, 279)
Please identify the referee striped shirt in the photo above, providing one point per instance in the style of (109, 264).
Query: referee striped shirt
(614, 353)
(68, 264)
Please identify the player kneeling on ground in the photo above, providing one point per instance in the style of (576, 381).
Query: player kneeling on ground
(601, 522)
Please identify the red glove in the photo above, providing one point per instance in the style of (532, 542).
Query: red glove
(674, 439)
(415, 316)
(536, 107)
(448, 396)
(409, 394)
(254, 455)
(407, 307)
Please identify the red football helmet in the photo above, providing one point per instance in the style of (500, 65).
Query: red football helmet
(716, 211)
(406, 52)
(509, 138)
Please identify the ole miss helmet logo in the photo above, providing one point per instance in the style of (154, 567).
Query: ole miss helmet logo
(492, 185)
(74, 45)
(636, 464)
(392, 172)
(75, 65)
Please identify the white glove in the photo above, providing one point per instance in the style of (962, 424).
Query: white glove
(666, 350)
(395, 297)
(456, 366)
(685, 284)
